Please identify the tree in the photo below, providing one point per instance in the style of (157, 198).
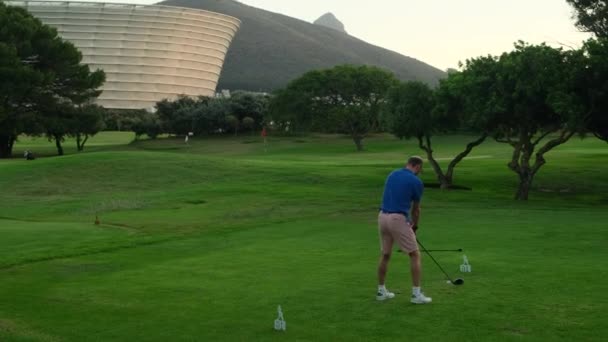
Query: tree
(65, 107)
(415, 110)
(526, 103)
(233, 123)
(591, 87)
(344, 99)
(202, 116)
(244, 104)
(285, 113)
(591, 83)
(144, 122)
(591, 16)
(210, 116)
(21, 39)
(87, 121)
(57, 120)
(41, 79)
(177, 117)
(248, 123)
(123, 119)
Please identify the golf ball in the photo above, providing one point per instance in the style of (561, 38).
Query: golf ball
(448, 282)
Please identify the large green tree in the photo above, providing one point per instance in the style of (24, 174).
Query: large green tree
(177, 117)
(244, 104)
(345, 99)
(211, 116)
(40, 75)
(414, 110)
(65, 105)
(526, 102)
(20, 39)
(202, 116)
(87, 122)
(590, 85)
(591, 16)
(143, 122)
(285, 113)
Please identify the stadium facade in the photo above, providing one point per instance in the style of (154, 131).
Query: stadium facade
(148, 52)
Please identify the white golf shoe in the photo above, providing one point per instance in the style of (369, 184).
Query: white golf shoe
(421, 299)
(384, 295)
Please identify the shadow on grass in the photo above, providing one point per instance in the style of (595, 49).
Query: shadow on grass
(452, 187)
(51, 152)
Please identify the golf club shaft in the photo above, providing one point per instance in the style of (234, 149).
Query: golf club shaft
(439, 250)
(435, 261)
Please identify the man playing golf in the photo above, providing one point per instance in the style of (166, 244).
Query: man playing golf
(402, 195)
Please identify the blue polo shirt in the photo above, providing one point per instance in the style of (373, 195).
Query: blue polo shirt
(401, 188)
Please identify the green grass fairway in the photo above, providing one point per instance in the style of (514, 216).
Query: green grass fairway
(201, 242)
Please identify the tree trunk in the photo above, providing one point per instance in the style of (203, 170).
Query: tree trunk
(358, 142)
(523, 149)
(78, 142)
(444, 182)
(6, 145)
(84, 141)
(525, 183)
(450, 172)
(602, 136)
(11, 143)
(58, 144)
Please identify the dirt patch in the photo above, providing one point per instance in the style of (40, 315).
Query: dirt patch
(17, 330)
(6, 325)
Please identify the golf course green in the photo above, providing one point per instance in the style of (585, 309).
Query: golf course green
(202, 241)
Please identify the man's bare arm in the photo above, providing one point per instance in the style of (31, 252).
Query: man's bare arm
(415, 213)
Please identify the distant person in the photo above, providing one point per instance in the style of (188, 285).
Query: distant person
(398, 221)
(28, 155)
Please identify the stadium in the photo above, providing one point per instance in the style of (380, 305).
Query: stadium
(148, 52)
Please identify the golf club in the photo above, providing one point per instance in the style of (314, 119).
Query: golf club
(457, 281)
(440, 250)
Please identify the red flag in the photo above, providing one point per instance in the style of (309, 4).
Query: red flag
(264, 132)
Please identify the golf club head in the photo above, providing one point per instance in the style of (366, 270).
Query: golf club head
(458, 281)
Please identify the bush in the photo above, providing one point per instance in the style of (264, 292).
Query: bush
(148, 124)
(233, 123)
(122, 119)
(248, 123)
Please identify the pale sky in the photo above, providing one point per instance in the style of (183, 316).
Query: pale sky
(440, 32)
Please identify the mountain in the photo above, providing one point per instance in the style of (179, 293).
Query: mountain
(330, 20)
(271, 49)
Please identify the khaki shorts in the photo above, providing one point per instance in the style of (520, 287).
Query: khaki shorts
(394, 227)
